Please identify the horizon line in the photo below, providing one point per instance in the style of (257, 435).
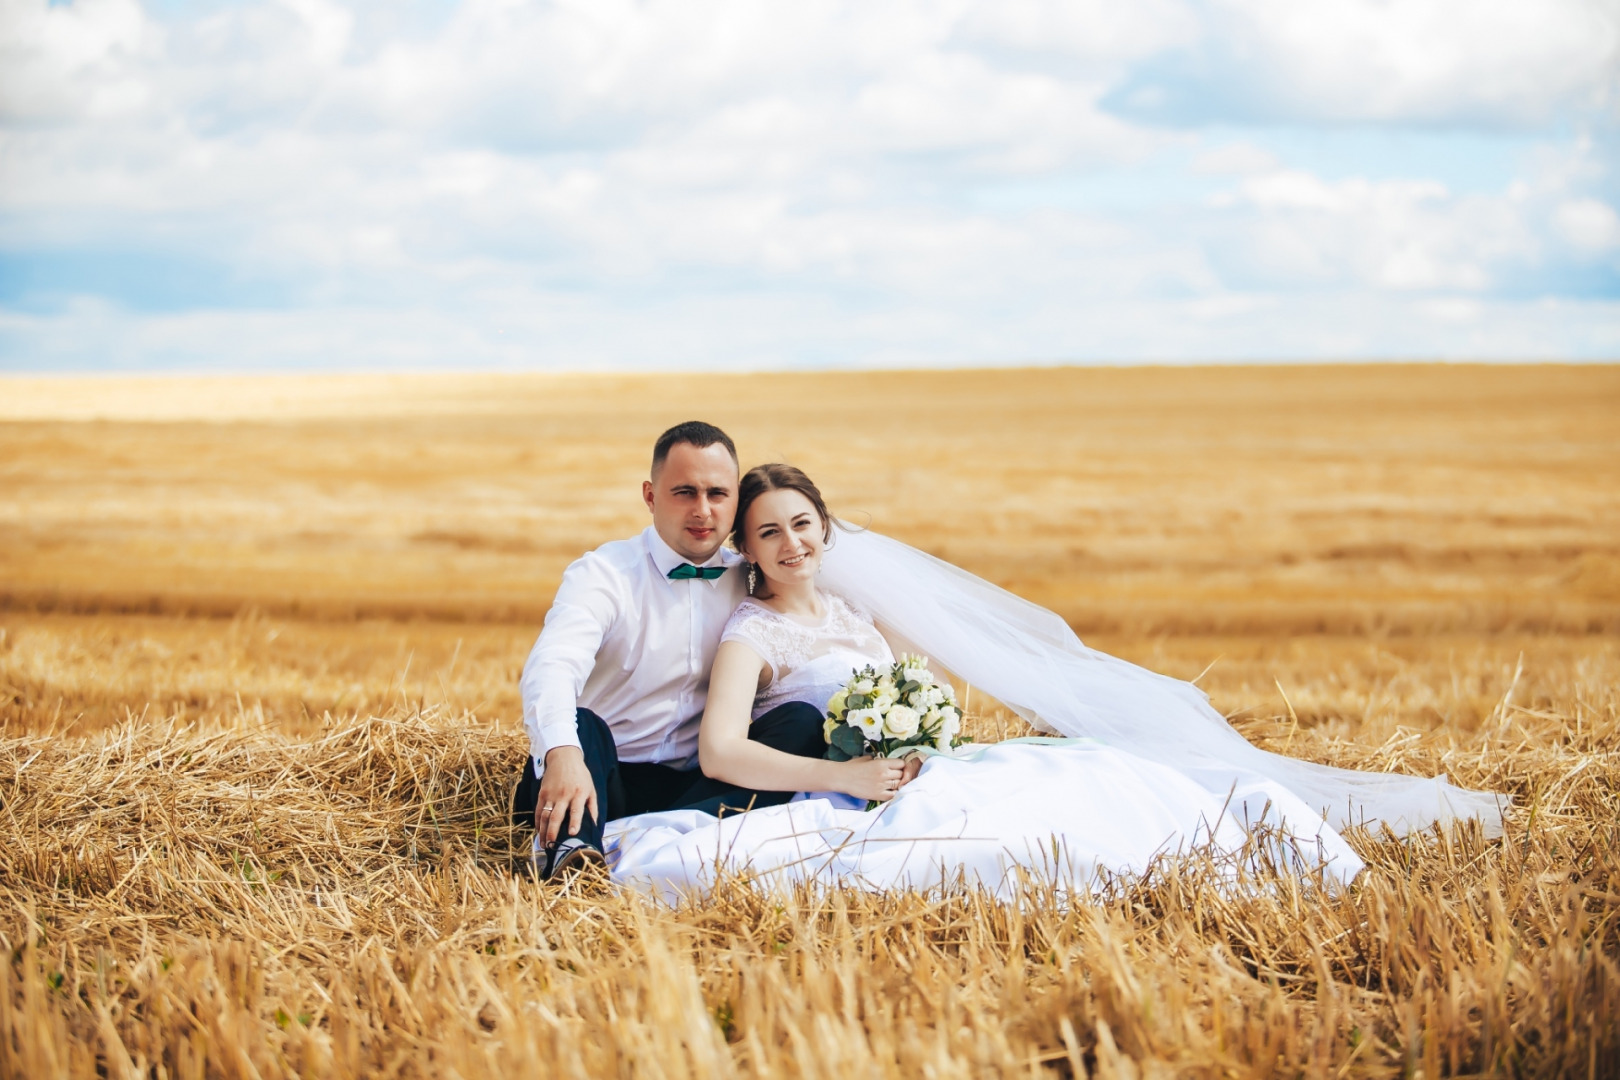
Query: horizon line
(90, 374)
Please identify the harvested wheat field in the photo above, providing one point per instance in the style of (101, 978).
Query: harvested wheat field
(259, 648)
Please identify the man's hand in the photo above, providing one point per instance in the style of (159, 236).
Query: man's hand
(566, 792)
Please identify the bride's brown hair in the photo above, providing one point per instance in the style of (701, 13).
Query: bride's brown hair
(775, 477)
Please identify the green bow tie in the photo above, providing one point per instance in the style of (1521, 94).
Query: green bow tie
(687, 570)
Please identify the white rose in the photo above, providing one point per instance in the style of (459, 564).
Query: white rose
(862, 686)
(884, 699)
(901, 722)
(868, 721)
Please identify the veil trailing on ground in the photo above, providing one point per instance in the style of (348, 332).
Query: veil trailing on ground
(1029, 659)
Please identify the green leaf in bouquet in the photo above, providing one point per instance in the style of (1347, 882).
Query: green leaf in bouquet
(909, 688)
(848, 740)
(858, 701)
(835, 754)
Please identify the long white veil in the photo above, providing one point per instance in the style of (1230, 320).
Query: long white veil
(1029, 659)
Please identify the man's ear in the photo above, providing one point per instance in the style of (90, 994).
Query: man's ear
(647, 494)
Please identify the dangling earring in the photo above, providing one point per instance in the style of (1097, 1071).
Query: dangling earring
(752, 580)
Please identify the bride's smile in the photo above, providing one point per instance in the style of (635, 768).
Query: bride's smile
(786, 537)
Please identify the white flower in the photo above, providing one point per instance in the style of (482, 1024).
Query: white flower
(951, 717)
(949, 691)
(920, 676)
(901, 722)
(936, 696)
(861, 686)
(869, 721)
(884, 699)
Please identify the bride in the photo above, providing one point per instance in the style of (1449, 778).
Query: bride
(1146, 766)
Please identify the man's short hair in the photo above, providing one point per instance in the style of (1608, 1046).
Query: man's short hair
(695, 432)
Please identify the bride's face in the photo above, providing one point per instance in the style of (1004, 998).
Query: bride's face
(785, 537)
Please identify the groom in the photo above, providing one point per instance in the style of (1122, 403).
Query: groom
(615, 686)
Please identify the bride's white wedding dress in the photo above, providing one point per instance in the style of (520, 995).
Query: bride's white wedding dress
(1147, 767)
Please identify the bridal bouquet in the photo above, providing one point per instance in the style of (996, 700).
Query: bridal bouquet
(885, 714)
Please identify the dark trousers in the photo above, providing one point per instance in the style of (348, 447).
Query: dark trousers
(635, 787)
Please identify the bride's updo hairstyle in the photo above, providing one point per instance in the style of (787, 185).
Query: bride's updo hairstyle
(775, 477)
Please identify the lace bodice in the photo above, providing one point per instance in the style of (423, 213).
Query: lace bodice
(807, 662)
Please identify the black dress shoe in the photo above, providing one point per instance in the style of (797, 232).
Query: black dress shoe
(573, 854)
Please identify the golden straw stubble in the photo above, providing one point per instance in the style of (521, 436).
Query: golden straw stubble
(258, 727)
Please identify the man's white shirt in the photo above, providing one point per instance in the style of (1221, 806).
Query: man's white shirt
(633, 646)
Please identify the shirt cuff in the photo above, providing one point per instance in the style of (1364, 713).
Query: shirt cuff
(551, 737)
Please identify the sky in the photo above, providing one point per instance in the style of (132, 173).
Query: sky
(308, 185)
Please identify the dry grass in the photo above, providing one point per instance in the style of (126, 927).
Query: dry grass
(233, 901)
(1370, 501)
(259, 724)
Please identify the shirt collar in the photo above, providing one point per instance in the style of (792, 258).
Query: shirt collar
(665, 558)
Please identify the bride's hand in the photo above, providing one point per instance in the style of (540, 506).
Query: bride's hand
(914, 764)
(872, 778)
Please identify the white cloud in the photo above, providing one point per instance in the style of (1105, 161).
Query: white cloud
(1104, 33)
(1401, 235)
(1237, 158)
(1453, 309)
(1492, 62)
(1588, 225)
(85, 60)
(1294, 189)
(1438, 58)
(711, 181)
(751, 332)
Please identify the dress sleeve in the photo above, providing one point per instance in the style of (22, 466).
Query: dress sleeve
(752, 628)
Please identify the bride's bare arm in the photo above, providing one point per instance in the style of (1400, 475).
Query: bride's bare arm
(726, 753)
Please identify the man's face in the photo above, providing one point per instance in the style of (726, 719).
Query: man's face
(693, 499)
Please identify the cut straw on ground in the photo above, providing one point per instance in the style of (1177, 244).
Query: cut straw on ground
(217, 900)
